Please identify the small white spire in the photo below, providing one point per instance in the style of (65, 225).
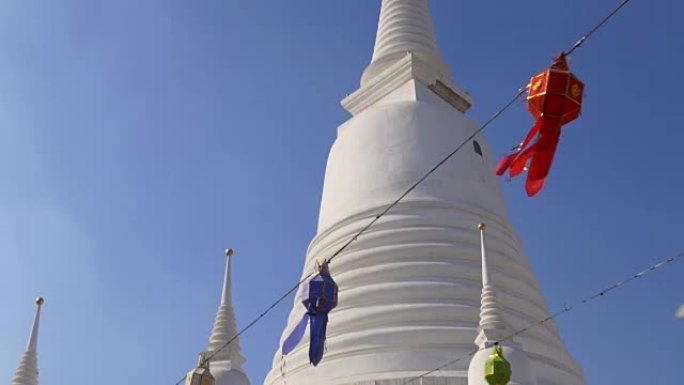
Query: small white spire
(494, 329)
(492, 325)
(225, 326)
(27, 370)
(226, 295)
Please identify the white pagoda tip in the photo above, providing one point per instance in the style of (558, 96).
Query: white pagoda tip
(226, 296)
(27, 370)
(483, 251)
(225, 326)
(405, 50)
(405, 26)
(492, 324)
(33, 338)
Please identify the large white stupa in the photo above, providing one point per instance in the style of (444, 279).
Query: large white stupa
(27, 370)
(410, 286)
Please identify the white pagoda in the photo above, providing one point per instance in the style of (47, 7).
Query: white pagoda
(410, 286)
(225, 360)
(27, 370)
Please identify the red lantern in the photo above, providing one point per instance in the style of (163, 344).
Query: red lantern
(555, 99)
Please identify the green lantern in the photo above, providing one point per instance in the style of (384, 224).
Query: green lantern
(497, 369)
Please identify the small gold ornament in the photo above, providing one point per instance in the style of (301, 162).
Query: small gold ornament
(575, 90)
(537, 85)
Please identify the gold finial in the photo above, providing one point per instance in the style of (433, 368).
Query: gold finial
(40, 301)
(481, 226)
(229, 252)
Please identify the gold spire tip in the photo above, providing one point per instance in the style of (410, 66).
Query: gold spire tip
(229, 252)
(40, 301)
(481, 226)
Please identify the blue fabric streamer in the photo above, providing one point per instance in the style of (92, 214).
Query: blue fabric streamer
(319, 324)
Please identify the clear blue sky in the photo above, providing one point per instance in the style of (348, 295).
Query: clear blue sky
(140, 139)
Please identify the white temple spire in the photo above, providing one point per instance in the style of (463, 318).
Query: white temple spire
(27, 371)
(225, 326)
(223, 354)
(492, 324)
(405, 50)
(226, 295)
(405, 26)
(494, 330)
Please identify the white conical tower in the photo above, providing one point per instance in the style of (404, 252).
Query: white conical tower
(27, 371)
(226, 361)
(493, 329)
(410, 286)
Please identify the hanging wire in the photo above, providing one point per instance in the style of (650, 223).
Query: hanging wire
(564, 310)
(486, 124)
(596, 27)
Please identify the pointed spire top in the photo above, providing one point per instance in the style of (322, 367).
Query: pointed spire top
(225, 326)
(483, 250)
(27, 370)
(492, 324)
(226, 297)
(33, 338)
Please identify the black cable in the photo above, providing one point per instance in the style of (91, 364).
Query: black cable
(596, 27)
(496, 115)
(565, 310)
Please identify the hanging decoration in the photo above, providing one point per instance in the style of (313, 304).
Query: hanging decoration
(555, 99)
(200, 375)
(319, 297)
(497, 369)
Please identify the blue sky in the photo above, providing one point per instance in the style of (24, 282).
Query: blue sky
(140, 139)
